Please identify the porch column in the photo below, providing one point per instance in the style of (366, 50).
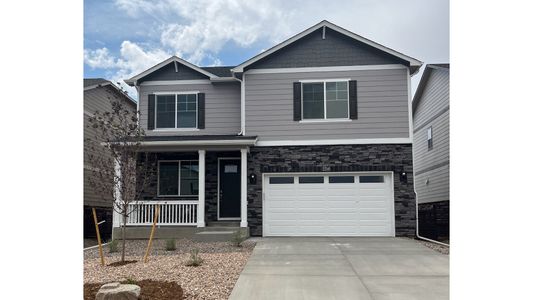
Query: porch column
(244, 187)
(201, 189)
(118, 198)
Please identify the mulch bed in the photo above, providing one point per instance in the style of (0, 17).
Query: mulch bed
(150, 290)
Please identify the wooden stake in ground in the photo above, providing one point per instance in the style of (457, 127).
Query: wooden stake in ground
(98, 237)
(152, 234)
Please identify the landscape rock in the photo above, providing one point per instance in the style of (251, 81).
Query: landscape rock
(118, 291)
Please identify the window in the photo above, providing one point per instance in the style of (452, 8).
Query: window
(311, 179)
(371, 179)
(178, 178)
(166, 111)
(325, 100)
(430, 138)
(176, 110)
(281, 180)
(341, 179)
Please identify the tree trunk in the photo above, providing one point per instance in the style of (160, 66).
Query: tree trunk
(123, 256)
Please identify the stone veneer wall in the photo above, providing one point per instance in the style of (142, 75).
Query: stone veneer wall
(335, 158)
(434, 220)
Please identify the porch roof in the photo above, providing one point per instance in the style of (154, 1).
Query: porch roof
(198, 141)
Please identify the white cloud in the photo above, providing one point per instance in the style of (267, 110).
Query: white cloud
(133, 60)
(99, 58)
(202, 27)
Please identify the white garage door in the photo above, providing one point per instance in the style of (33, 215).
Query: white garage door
(355, 204)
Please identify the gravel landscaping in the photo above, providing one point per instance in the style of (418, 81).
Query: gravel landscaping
(439, 248)
(214, 279)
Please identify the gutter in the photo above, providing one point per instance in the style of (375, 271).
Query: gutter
(202, 143)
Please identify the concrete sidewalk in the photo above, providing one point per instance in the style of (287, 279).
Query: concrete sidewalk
(343, 268)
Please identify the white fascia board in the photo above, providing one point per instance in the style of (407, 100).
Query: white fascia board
(202, 143)
(412, 61)
(326, 69)
(175, 82)
(223, 79)
(164, 63)
(334, 142)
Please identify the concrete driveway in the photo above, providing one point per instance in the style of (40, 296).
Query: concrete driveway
(343, 268)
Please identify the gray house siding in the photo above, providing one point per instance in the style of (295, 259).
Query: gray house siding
(97, 99)
(335, 50)
(382, 106)
(222, 107)
(93, 100)
(168, 72)
(433, 185)
(432, 166)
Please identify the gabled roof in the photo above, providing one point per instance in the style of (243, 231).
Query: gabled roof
(220, 71)
(92, 83)
(171, 59)
(89, 82)
(413, 63)
(424, 81)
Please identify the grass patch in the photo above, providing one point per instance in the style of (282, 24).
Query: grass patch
(113, 246)
(238, 238)
(170, 245)
(195, 260)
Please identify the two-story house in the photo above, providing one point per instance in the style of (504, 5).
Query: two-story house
(312, 137)
(97, 96)
(431, 151)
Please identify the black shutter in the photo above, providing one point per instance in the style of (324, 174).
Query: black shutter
(201, 110)
(353, 99)
(151, 111)
(297, 101)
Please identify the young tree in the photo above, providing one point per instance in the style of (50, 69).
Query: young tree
(120, 172)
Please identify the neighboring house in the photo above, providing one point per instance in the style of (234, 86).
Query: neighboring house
(431, 148)
(309, 138)
(97, 93)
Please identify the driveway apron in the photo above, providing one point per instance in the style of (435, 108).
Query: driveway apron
(343, 268)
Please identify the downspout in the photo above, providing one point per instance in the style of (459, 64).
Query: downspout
(242, 132)
(411, 121)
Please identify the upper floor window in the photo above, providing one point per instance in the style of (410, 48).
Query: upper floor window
(430, 138)
(176, 110)
(325, 100)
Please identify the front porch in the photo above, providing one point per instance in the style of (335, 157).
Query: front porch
(200, 189)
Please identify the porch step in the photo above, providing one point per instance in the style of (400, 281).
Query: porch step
(217, 233)
(223, 224)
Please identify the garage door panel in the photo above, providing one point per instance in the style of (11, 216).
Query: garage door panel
(330, 208)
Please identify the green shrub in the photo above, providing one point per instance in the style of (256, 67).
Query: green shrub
(237, 238)
(170, 245)
(195, 259)
(113, 246)
(130, 280)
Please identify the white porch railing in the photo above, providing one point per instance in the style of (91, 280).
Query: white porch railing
(170, 213)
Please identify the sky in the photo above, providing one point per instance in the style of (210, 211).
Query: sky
(125, 37)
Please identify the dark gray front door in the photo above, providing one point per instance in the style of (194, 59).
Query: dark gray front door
(229, 194)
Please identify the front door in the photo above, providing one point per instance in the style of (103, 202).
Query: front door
(229, 191)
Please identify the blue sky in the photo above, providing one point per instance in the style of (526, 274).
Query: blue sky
(125, 37)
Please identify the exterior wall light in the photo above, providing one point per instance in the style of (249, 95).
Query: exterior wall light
(252, 179)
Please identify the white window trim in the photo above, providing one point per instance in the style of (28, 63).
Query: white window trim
(179, 176)
(325, 119)
(176, 128)
(429, 137)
